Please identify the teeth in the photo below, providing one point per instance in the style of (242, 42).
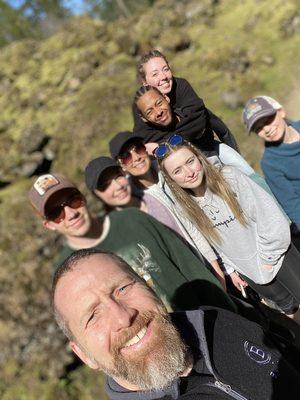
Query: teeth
(136, 338)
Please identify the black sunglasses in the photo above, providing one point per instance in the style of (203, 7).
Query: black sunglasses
(57, 214)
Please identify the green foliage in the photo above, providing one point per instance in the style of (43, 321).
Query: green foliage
(13, 25)
(31, 19)
(83, 384)
(76, 87)
(37, 9)
(114, 9)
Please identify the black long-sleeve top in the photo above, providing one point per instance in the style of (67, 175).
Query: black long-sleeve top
(196, 123)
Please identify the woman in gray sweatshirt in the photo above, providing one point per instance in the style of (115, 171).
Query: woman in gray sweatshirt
(240, 220)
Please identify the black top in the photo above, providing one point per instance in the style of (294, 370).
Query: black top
(233, 359)
(197, 124)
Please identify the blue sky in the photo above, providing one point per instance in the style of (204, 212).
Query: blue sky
(75, 5)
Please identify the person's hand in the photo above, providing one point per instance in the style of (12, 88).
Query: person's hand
(150, 147)
(237, 281)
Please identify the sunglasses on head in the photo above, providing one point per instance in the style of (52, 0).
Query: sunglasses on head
(57, 214)
(164, 148)
(126, 157)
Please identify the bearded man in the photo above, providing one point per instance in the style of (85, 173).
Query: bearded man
(115, 323)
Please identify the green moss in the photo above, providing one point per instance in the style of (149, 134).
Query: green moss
(82, 384)
(78, 87)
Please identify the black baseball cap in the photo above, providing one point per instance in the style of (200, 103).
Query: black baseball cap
(95, 169)
(121, 140)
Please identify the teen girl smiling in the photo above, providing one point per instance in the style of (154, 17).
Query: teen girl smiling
(240, 219)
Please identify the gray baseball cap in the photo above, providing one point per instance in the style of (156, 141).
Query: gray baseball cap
(259, 107)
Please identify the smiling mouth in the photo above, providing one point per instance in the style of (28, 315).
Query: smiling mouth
(139, 336)
(122, 194)
(193, 179)
(163, 118)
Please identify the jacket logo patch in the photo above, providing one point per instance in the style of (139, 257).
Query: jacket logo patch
(256, 353)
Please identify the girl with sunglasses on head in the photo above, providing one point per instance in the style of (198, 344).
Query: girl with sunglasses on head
(239, 219)
(148, 186)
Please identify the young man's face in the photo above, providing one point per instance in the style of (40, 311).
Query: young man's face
(114, 188)
(66, 213)
(118, 324)
(271, 128)
(155, 108)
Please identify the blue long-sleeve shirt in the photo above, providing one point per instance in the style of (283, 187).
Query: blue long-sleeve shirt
(281, 166)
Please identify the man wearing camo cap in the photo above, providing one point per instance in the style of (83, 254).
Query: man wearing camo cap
(151, 249)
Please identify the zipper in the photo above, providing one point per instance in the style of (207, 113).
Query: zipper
(227, 389)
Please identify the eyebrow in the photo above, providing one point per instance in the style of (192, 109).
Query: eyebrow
(90, 308)
(86, 312)
(176, 169)
(148, 109)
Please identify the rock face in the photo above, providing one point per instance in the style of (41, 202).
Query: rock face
(63, 98)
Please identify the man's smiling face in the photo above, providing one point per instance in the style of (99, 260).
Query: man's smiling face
(155, 108)
(118, 324)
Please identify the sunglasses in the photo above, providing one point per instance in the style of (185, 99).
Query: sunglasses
(57, 214)
(126, 157)
(164, 148)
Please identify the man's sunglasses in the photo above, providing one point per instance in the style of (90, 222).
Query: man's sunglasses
(57, 214)
(126, 157)
(164, 148)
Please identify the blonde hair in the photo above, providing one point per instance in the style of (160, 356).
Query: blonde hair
(215, 182)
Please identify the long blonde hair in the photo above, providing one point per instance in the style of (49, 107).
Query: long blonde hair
(215, 182)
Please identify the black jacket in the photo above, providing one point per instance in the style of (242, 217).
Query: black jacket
(233, 359)
(197, 124)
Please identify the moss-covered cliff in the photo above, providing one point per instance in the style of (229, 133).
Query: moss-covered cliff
(60, 101)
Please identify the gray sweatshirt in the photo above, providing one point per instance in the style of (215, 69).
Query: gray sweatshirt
(172, 218)
(265, 238)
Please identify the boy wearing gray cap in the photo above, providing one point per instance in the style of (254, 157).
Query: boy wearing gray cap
(281, 159)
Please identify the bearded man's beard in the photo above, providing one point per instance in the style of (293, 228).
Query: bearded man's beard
(159, 363)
